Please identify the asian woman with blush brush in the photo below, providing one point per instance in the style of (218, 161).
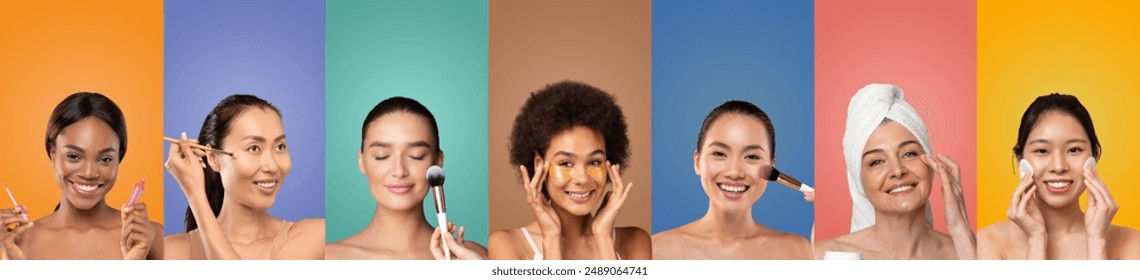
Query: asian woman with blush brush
(735, 159)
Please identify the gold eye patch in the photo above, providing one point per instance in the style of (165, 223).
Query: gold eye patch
(561, 171)
(597, 172)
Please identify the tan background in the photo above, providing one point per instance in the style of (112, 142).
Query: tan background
(534, 43)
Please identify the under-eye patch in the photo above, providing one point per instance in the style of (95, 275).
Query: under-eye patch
(560, 172)
(597, 172)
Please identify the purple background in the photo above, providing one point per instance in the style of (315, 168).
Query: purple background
(272, 49)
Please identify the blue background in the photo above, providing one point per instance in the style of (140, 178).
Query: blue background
(706, 53)
(272, 49)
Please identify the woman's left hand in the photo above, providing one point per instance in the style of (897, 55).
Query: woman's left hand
(137, 232)
(957, 220)
(612, 202)
(1098, 216)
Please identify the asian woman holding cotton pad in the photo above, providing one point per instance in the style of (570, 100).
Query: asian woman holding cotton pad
(86, 140)
(735, 153)
(1057, 149)
(890, 172)
(399, 144)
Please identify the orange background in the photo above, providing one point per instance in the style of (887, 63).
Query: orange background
(51, 49)
(602, 43)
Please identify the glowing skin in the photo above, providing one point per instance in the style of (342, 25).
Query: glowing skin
(398, 150)
(566, 226)
(86, 162)
(1044, 211)
(735, 149)
(897, 174)
(251, 178)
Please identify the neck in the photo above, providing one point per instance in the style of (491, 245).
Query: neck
(1068, 219)
(403, 230)
(83, 218)
(726, 225)
(902, 233)
(243, 223)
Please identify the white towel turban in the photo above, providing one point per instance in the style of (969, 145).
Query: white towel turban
(868, 108)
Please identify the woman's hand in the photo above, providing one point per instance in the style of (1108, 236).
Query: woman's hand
(543, 212)
(1098, 216)
(137, 233)
(603, 223)
(957, 220)
(186, 166)
(458, 251)
(1023, 212)
(15, 223)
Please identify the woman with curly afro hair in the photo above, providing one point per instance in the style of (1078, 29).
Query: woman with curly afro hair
(569, 143)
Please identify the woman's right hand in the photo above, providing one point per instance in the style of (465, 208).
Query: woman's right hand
(539, 205)
(186, 166)
(1024, 212)
(8, 235)
(455, 244)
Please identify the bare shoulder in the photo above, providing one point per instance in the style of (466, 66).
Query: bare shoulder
(306, 241)
(670, 244)
(158, 244)
(634, 243)
(1124, 243)
(844, 243)
(177, 246)
(994, 241)
(797, 245)
(475, 246)
(501, 245)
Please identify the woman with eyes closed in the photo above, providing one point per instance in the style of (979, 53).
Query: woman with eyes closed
(1057, 140)
(735, 142)
(572, 137)
(399, 142)
(86, 141)
(890, 173)
(229, 194)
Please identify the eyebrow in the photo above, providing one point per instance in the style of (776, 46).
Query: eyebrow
(569, 154)
(904, 143)
(81, 150)
(1044, 141)
(262, 139)
(416, 144)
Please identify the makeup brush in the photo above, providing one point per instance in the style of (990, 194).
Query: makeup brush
(770, 173)
(435, 181)
(198, 146)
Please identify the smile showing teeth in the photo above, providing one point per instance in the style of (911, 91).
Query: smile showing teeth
(579, 195)
(735, 189)
(1058, 184)
(86, 188)
(266, 185)
(900, 189)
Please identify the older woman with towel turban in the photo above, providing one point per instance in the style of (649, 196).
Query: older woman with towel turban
(890, 172)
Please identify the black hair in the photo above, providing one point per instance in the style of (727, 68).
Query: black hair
(214, 129)
(744, 108)
(81, 105)
(1055, 103)
(400, 104)
(561, 106)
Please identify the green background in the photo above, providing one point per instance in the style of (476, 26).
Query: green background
(431, 51)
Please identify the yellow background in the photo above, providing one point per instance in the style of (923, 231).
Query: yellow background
(1089, 50)
(51, 49)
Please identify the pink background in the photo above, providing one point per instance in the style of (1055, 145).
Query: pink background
(925, 47)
